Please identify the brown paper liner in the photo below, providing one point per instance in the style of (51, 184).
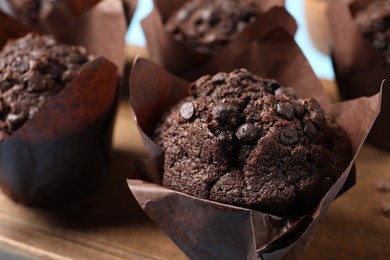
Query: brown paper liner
(98, 25)
(10, 29)
(205, 229)
(180, 60)
(63, 150)
(359, 67)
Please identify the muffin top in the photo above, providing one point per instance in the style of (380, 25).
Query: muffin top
(374, 23)
(32, 70)
(30, 10)
(247, 141)
(207, 26)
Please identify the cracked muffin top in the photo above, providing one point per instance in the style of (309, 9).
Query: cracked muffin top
(32, 70)
(207, 26)
(247, 141)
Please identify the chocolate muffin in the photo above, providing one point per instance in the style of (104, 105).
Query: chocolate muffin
(374, 23)
(33, 69)
(207, 26)
(30, 11)
(247, 141)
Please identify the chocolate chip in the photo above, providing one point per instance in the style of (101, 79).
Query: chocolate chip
(198, 17)
(5, 85)
(219, 110)
(74, 57)
(4, 110)
(225, 113)
(385, 209)
(219, 78)
(386, 23)
(247, 132)
(20, 66)
(214, 18)
(16, 120)
(271, 83)
(244, 75)
(187, 110)
(182, 15)
(40, 64)
(206, 13)
(310, 130)
(176, 34)
(53, 70)
(37, 53)
(202, 115)
(299, 110)
(248, 16)
(383, 185)
(285, 110)
(288, 136)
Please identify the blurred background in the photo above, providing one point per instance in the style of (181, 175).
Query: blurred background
(319, 62)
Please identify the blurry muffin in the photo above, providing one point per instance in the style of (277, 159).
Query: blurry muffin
(207, 26)
(30, 11)
(33, 69)
(374, 23)
(247, 141)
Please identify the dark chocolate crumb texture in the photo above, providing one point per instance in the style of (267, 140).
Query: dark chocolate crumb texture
(374, 22)
(207, 26)
(247, 141)
(32, 70)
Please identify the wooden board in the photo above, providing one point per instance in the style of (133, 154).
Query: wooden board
(110, 225)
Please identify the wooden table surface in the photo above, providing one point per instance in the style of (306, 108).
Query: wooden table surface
(109, 224)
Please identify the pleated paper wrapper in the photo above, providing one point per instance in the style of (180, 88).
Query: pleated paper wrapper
(205, 229)
(63, 151)
(182, 61)
(359, 68)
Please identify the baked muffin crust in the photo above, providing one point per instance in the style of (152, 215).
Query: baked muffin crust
(247, 141)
